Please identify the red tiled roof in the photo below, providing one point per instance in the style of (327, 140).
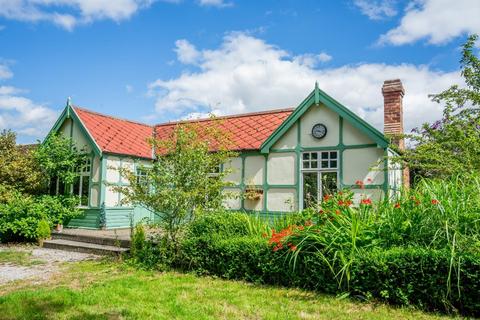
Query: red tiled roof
(117, 135)
(114, 135)
(247, 131)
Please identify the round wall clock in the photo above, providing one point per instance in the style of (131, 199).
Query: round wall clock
(319, 131)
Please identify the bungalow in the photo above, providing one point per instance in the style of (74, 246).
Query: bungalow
(292, 156)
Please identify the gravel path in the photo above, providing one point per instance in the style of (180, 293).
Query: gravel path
(46, 263)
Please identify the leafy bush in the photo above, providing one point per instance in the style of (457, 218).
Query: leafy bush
(20, 216)
(43, 229)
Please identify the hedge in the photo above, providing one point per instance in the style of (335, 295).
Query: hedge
(400, 276)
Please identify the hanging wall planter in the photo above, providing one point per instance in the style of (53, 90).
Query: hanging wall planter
(253, 193)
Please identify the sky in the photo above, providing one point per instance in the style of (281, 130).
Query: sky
(160, 60)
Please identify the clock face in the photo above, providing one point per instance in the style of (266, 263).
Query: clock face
(319, 131)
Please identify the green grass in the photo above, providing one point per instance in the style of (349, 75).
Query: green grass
(21, 258)
(105, 290)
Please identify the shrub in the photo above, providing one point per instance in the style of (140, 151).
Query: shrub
(20, 216)
(43, 229)
(432, 279)
(419, 277)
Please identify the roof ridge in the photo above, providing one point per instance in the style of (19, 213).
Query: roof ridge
(240, 115)
(112, 117)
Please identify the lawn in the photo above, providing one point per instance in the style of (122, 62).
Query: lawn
(110, 290)
(16, 257)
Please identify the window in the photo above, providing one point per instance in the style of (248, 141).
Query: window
(320, 160)
(81, 185)
(142, 178)
(320, 176)
(215, 171)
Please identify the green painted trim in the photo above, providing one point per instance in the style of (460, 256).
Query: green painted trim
(385, 173)
(265, 183)
(281, 150)
(366, 186)
(289, 122)
(299, 192)
(58, 123)
(282, 186)
(242, 181)
(85, 131)
(333, 105)
(341, 147)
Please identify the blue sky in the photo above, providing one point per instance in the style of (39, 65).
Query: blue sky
(155, 61)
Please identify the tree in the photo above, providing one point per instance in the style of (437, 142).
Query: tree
(18, 168)
(184, 179)
(451, 145)
(57, 158)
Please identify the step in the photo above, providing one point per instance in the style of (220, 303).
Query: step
(85, 247)
(106, 241)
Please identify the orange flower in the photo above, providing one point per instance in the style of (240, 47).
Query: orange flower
(308, 223)
(435, 201)
(327, 197)
(397, 205)
(366, 201)
(360, 184)
(337, 211)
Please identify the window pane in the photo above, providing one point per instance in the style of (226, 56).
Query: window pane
(76, 187)
(314, 156)
(333, 155)
(85, 191)
(329, 183)
(310, 189)
(306, 165)
(324, 164)
(324, 155)
(306, 156)
(333, 163)
(314, 164)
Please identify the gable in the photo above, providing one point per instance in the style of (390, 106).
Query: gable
(318, 97)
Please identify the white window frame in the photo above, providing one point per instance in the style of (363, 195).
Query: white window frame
(82, 173)
(317, 170)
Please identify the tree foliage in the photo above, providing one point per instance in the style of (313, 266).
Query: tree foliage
(56, 157)
(185, 178)
(451, 144)
(18, 167)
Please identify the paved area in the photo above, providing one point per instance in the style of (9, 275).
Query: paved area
(43, 263)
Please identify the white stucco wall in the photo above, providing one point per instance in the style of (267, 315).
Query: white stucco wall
(364, 164)
(288, 140)
(281, 168)
(353, 136)
(233, 200)
(235, 165)
(80, 140)
(254, 167)
(281, 200)
(319, 114)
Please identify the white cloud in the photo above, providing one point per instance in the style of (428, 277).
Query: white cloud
(215, 3)
(69, 13)
(5, 72)
(31, 120)
(378, 9)
(437, 21)
(312, 60)
(247, 74)
(186, 52)
(129, 88)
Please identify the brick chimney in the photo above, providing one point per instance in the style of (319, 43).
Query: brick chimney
(393, 93)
